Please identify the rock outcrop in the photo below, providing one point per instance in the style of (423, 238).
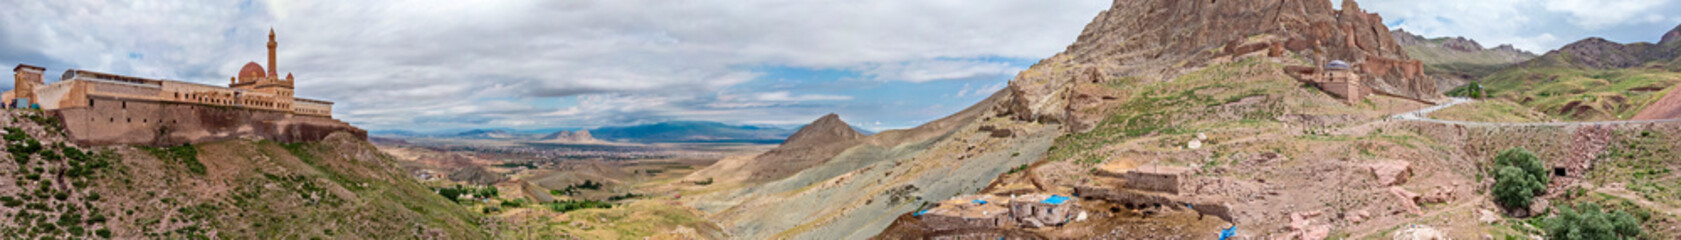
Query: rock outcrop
(1156, 40)
(811, 145)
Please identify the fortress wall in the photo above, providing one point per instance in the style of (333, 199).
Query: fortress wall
(113, 121)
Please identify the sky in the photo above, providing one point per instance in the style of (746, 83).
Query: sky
(533, 64)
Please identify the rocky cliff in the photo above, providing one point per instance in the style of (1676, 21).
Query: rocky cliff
(1155, 40)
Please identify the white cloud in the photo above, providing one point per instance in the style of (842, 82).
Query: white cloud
(784, 96)
(936, 69)
(1596, 14)
(386, 62)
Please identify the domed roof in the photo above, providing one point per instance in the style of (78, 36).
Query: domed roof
(252, 70)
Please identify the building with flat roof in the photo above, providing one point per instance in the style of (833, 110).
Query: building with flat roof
(105, 108)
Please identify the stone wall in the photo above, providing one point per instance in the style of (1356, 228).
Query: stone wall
(111, 121)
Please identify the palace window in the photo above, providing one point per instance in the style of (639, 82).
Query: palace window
(90, 102)
(125, 104)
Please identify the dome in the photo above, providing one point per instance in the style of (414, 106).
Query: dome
(252, 70)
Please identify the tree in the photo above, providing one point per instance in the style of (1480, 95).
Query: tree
(1587, 221)
(1523, 159)
(1515, 189)
(1519, 176)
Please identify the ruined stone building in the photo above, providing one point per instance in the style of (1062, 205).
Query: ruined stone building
(990, 211)
(101, 108)
(1336, 78)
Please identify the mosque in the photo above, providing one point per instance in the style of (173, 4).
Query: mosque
(102, 108)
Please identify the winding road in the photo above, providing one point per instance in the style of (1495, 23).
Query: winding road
(1423, 116)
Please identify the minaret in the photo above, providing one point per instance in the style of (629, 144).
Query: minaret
(271, 45)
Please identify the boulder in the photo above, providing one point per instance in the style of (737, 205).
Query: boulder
(1406, 199)
(1391, 173)
(1438, 194)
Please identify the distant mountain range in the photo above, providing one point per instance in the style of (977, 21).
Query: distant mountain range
(674, 131)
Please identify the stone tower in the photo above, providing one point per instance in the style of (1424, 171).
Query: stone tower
(271, 45)
(25, 79)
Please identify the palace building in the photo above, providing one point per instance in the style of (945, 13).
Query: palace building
(103, 108)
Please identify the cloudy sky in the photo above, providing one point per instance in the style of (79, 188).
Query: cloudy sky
(433, 65)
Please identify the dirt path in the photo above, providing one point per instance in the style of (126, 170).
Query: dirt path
(1423, 116)
(1462, 205)
(1638, 200)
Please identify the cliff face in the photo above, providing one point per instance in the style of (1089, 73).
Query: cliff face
(1155, 40)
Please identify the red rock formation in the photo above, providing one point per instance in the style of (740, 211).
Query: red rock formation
(1154, 40)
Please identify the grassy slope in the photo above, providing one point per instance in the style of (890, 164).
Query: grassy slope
(240, 189)
(1606, 94)
(1166, 114)
(1493, 110)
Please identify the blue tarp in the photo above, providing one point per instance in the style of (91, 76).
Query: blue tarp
(1228, 233)
(919, 213)
(978, 201)
(1055, 200)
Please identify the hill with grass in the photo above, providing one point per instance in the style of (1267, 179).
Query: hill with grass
(1592, 79)
(337, 188)
(1455, 61)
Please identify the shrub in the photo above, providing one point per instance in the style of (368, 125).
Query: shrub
(1587, 221)
(1518, 177)
(1523, 159)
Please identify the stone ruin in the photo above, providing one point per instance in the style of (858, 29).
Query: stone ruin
(990, 211)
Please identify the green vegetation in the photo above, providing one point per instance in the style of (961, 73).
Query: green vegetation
(1160, 108)
(1470, 90)
(453, 194)
(1644, 161)
(185, 154)
(573, 205)
(1518, 177)
(46, 210)
(21, 145)
(1588, 222)
(616, 198)
(704, 183)
(1579, 94)
(574, 188)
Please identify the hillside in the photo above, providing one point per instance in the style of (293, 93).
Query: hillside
(1455, 61)
(813, 144)
(691, 131)
(1457, 50)
(341, 187)
(580, 136)
(1592, 79)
